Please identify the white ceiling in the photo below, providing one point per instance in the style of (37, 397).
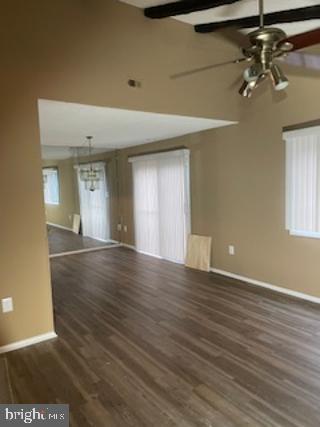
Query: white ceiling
(65, 124)
(241, 9)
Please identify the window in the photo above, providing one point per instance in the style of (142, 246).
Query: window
(51, 186)
(303, 182)
(162, 204)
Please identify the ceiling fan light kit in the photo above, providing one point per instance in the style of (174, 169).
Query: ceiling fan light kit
(267, 44)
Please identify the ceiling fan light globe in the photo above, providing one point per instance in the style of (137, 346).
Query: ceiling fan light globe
(251, 74)
(280, 81)
(248, 76)
(281, 86)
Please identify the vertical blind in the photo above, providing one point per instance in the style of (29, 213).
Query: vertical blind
(162, 204)
(51, 186)
(302, 181)
(94, 206)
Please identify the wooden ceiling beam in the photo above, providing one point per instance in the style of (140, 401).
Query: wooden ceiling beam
(281, 17)
(183, 7)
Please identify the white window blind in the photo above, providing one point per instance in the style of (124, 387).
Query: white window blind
(162, 204)
(51, 186)
(303, 182)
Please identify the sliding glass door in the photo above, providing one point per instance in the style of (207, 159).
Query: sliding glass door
(162, 204)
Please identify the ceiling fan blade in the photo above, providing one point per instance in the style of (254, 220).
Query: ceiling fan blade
(300, 41)
(206, 67)
(305, 60)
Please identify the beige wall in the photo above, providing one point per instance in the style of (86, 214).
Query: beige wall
(62, 214)
(238, 189)
(85, 52)
(24, 264)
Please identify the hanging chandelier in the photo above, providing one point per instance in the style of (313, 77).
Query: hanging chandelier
(90, 175)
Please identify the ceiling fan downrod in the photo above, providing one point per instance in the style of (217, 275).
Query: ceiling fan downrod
(261, 13)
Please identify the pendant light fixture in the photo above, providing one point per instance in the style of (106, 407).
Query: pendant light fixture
(90, 175)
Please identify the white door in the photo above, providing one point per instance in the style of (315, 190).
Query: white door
(94, 207)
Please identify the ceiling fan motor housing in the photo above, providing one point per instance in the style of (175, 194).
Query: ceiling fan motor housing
(266, 44)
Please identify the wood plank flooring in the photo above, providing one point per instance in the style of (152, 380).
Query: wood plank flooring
(61, 241)
(147, 343)
(5, 393)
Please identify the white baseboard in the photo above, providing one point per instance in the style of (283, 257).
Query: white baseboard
(148, 254)
(100, 240)
(125, 245)
(59, 226)
(29, 341)
(82, 251)
(275, 288)
(255, 282)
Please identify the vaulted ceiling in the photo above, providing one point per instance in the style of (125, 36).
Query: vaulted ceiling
(293, 16)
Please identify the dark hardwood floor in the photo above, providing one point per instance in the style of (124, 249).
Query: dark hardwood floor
(61, 241)
(147, 343)
(5, 394)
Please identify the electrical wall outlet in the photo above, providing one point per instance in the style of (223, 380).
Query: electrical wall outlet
(7, 305)
(119, 227)
(125, 228)
(231, 250)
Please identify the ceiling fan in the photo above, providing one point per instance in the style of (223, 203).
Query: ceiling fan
(262, 47)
